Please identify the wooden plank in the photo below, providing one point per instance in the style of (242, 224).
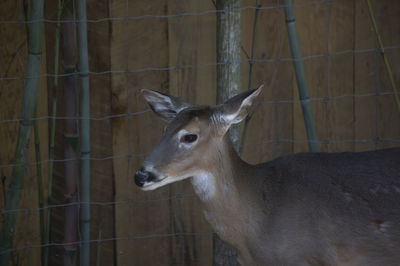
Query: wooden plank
(191, 42)
(365, 78)
(119, 136)
(377, 117)
(270, 122)
(340, 111)
(140, 44)
(388, 124)
(102, 223)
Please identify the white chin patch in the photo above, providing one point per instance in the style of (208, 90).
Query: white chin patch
(150, 186)
(154, 185)
(204, 185)
(165, 181)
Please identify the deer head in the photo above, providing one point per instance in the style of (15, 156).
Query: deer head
(188, 145)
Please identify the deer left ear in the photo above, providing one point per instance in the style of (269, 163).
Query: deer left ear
(165, 106)
(235, 109)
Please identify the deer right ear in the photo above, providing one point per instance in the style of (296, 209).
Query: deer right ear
(236, 108)
(166, 107)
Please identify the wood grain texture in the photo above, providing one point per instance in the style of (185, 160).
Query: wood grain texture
(197, 86)
(135, 45)
(150, 226)
(270, 121)
(102, 221)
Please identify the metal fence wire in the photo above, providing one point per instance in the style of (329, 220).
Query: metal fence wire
(380, 91)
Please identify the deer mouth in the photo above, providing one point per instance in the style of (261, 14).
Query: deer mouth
(153, 184)
(150, 178)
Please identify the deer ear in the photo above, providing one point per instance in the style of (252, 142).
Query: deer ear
(235, 109)
(166, 107)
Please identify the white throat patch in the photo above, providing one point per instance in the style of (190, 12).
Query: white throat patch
(204, 185)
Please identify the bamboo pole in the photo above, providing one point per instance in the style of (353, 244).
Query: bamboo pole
(300, 77)
(228, 84)
(35, 36)
(85, 133)
(39, 176)
(45, 252)
(70, 140)
(383, 53)
(39, 179)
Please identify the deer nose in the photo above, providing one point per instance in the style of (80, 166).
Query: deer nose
(141, 177)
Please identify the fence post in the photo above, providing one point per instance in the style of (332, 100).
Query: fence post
(228, 84)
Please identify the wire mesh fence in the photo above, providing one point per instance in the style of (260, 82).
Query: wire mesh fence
(326, 100)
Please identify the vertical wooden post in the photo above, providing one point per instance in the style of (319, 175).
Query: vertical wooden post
(228, 55)
(228, 84)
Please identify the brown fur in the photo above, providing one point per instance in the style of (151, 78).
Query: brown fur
(302, 209)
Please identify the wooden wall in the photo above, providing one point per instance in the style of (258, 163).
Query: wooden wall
(166, 227)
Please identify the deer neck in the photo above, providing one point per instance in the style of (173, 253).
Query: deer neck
(224, 171)
(225, 192)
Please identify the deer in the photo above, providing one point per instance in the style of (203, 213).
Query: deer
(301, 209)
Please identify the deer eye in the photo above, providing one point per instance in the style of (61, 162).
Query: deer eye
(189, 138)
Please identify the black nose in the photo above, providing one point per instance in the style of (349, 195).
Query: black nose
(141, 177)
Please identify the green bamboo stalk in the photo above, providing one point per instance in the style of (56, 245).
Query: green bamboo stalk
(228, 84)
(35, 35)
(39, 176)
(384, 55)
(39, 179)
(300, 77)
(85, 133)
(45, 253)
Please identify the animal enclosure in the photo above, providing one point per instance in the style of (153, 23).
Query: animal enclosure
(170, 46)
